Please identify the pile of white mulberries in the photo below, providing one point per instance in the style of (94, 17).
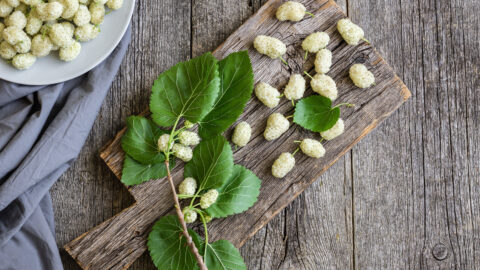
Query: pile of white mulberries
(32, 28)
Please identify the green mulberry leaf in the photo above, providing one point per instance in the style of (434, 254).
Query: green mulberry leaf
(168, 247)
(188, 90)
(238, 193)
(315, 113)
(134, 172)
(140, 140)
(222, 255)
(212, 163)
(236, 86)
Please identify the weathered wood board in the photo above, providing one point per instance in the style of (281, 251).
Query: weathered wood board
(117, 242)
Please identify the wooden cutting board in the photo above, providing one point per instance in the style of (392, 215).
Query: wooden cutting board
(120, 240)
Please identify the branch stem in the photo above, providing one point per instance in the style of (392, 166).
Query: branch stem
(189, 239)
(310, 76)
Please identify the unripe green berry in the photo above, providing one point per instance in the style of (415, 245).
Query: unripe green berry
(188, 124)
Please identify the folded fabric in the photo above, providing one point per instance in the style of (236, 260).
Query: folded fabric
(42, 129)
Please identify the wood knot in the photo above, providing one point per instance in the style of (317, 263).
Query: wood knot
(440, 252)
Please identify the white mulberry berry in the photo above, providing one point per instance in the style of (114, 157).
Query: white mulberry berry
(295, 87)
(23, 61)
(16, 19)
(182, 152)
(70, 8)
(163, 142)
(188, 186)
(17, 38)
(97, 13)
(189, 215)
(5, 9)
(86, 32)
(270, 46)
(41, 45)
(350, 32)
(335, 131)
(315, 42)
(82, 17)
(7, 51)
(291, 11)
(267, 94)
(115, 4)
(188, 138)
(70, 28)
(361, 76)
(325, 86)
(323, 61)
(34, 24)
(13, 35)
(69, 53)
(49, 11)
(277, 124)
(60, 35)
(209, 198)
(283, 165)
(241, 134)
(312, 148)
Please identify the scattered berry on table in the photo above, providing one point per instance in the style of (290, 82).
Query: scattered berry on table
(295, 87)
(315, 42)
(312, 148)
(350, 32)
(277, 124)
(270, 46)
(323, 61)
(335, 131)
(325, 86)
(267, 94)
(283, 165)
(361, 76)
(291, 11)
(241, 134)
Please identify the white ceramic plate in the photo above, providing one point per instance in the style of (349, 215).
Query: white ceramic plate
(50, 69)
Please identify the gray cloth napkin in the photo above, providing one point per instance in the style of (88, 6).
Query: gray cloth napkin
(42, 129)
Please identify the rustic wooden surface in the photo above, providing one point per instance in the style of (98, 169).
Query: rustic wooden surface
(405, 197)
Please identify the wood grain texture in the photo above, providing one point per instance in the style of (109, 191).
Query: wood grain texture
(415, 206)
(116, 243)
(384, 178)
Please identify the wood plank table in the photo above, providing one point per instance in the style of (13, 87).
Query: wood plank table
(406, 196)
